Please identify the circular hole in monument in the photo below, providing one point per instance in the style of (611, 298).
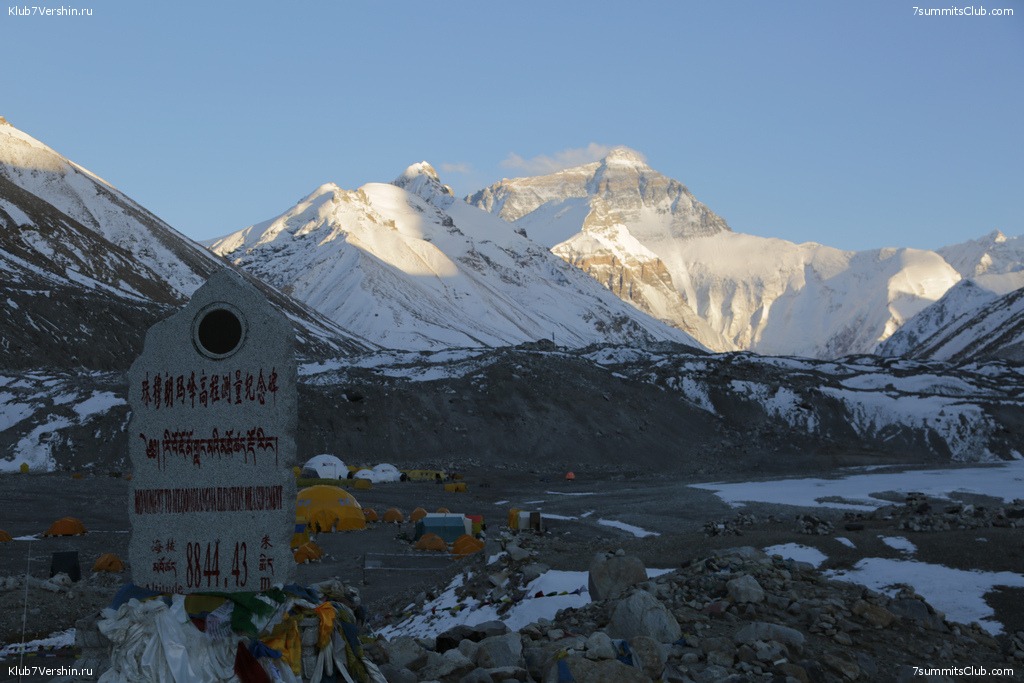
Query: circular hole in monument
(219, 332)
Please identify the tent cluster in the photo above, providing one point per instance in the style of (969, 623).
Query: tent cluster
(327, 466)
(461, 546)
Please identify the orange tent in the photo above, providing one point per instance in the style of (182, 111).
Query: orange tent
(394, 515)
(431, 542)
(370, 515)
(570, 476)
(467, 545)
(5, 537)
(307, 552)
(443, 511)
(66, 526)
(417, 514)
(108, 562)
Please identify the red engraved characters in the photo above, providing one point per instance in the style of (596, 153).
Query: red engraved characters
(236, 387)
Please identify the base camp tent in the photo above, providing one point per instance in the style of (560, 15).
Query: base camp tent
(448, 526)
(328, 508)
(324, 466)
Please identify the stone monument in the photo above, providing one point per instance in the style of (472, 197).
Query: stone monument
(212, 442)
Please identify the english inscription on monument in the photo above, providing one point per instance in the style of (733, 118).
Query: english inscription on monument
(212, 442)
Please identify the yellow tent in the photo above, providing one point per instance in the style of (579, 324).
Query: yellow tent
(417, 514)
(108, 562)
(393, 515)
(66, 526)
(371, 515)
(431, 542)
(308, 552)
(467, 545)
(328, 508)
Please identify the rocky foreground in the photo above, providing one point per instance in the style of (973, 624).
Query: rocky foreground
(738, 615)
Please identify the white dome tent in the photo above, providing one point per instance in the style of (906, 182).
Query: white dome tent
(325, 466)
(380, 474)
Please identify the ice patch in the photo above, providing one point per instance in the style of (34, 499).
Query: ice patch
(1004, 480)
(845, 541)
(565, 493)
(956, 592)
(99, 402)
(635, 530)
(800, 553)
(899, 543)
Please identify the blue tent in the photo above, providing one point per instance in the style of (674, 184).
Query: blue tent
(448, 526)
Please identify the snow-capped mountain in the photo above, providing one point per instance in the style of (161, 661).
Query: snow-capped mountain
(624, 222)
(969, 322)
(87, 270)
(994, 261)
(407, 266)
(975, 318)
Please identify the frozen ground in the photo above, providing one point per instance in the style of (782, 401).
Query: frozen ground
(659, 519)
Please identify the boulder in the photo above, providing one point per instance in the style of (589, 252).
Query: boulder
(405, 653)
(451, 665)
(611, 576)
(602, 671)
(649, 655)
(641, 614)
(762, 630)
(745, 589)
(500, 651)
(450, 639)
(600, 646)
(396, 674)
(508, 673)
(876, 615)
(476, 676)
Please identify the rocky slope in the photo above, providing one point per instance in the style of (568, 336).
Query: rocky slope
(615, 409)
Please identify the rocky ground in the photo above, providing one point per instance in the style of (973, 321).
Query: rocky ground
(693, 526)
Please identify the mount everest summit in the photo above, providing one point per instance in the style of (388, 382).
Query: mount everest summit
(648, 239)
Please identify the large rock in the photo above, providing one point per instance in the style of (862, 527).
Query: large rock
(641, 614)
(451, 665)
(603, 671)
(396, 674)
(649, 655)
(744, 589)
(762, 630)
(499, 651)
(405, 653)
(611, 576)
(600, 646)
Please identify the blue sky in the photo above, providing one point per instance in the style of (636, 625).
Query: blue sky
(857, 125)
